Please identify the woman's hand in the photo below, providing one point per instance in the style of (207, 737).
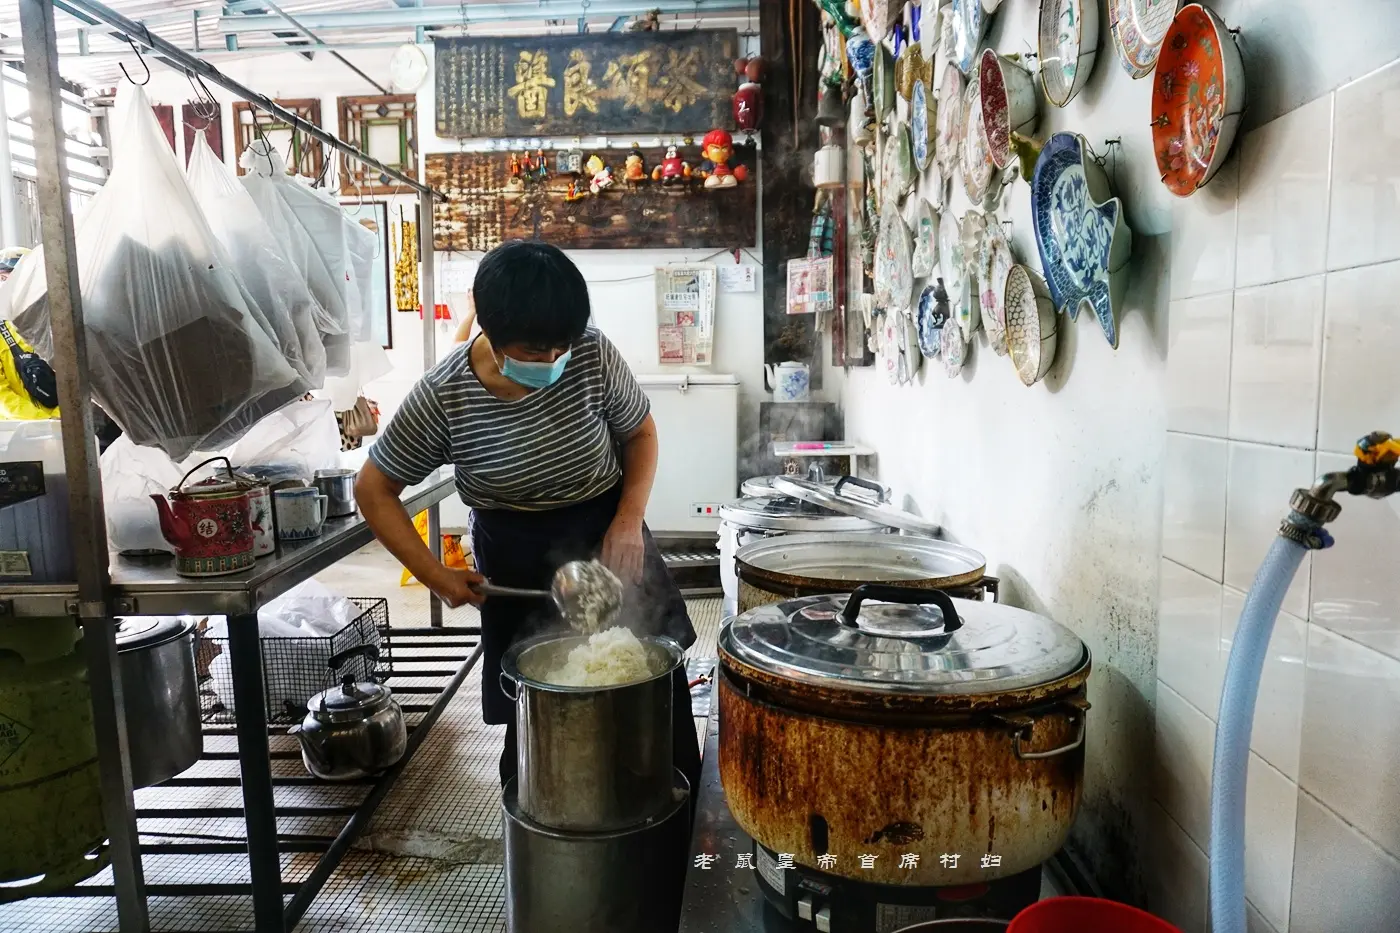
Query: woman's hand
(457, 587)
(623, 550)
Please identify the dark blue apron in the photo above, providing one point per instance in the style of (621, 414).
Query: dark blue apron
(523, 549)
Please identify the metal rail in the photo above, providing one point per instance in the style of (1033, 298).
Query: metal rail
(170, 54)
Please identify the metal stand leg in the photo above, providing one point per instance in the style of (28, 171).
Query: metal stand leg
(255, 765)
(118, 805)
(435, 544)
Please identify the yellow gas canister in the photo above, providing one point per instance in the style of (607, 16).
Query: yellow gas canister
(50, 792)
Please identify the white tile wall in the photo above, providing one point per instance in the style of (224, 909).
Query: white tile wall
(1193, 532)
(1275, 358)
(1279, 363)
(1360, 375)
(1198, 364)
(1283, 197)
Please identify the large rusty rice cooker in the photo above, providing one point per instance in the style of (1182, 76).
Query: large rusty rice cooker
(921, 724)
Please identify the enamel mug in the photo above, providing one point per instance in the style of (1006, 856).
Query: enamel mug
(300, 513)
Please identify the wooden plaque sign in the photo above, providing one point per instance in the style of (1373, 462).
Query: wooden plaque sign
(651, 82)
(489, 204)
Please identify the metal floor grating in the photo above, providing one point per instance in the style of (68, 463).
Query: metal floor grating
(429, 863)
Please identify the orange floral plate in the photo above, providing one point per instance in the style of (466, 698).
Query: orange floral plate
(1198, 96)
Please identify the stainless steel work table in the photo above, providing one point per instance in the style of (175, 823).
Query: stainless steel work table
(151, 587)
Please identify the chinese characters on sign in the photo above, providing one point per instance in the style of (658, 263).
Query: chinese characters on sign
(656, 82)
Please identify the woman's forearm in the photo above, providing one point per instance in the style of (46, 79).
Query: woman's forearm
(639, 454)
(377, 497)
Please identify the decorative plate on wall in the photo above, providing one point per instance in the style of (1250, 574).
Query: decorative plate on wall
(1139, 26)
(972, 233)
(1031, 324)
(1008, 104)
(911, 357)
(1068, 45)
(950, 264)
(995, 265)
(932, 316)
(897, 170)
(974, 153)
(894, 275)
(889, 347)
(969, 20)
(918, 125)
(1083, 240)
(1198, 96)
(925, 240)
(882, 82)
(953, 348)
(949, 122)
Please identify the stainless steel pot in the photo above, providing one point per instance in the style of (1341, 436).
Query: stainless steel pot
(338, 486)
(770, 570)
(626, 881)
(958, 925)
(352, 730)
(590, 758)
(160, 696)
(922, 724)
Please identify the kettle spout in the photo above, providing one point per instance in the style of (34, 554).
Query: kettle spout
(172, 528)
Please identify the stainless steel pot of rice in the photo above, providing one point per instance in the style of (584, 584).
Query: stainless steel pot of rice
(594, 757)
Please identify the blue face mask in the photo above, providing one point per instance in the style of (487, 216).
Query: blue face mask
(533, 375)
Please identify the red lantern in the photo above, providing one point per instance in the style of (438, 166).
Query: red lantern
(748, 106)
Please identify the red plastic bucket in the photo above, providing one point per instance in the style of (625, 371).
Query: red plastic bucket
(1086, 915)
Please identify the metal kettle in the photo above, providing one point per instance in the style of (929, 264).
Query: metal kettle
(354, 729)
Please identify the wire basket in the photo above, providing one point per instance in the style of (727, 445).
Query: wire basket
(295, 669)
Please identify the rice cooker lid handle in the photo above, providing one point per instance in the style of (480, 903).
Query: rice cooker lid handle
(849, 501)
(909, 595)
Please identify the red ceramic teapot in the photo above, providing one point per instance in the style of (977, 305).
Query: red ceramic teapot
(208, 524)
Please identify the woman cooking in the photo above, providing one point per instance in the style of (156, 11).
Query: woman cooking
(554, 450)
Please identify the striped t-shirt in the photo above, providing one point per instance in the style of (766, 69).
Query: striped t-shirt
(554, 447)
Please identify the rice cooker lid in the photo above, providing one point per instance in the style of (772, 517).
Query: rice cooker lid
(843, 498)
(866, 558)
(349, 701)
(897, 648)
(150, 631)
(763, 486)
(784, 513)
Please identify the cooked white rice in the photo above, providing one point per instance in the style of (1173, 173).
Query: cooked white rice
(611, 657)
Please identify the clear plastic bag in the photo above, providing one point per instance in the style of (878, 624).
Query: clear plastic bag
(292, 443)
(130, 476)
(173, 348)
(312, 230)
(259, 261)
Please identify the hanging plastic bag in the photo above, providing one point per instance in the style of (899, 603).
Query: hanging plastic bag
(290, 444)
(259, 260)
(368, 362)
(130, 476)
(173, 348)
(312, 229)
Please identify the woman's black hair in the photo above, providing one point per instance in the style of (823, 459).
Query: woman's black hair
(528, 292)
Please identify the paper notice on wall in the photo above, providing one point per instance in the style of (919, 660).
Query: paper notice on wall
(456, 276)
(738, 278)
(810, 284)
(685, 313)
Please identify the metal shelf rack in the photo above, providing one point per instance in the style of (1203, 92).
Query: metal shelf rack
(107, 586)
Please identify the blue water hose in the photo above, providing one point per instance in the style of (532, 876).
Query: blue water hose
(1235, 723)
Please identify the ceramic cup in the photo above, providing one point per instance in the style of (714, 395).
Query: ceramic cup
(828, 167)
(300, 513)
(260, 516)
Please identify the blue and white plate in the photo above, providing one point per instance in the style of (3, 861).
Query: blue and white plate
(969, 20)
(931, 317)
(918, 125)
(1083, 239)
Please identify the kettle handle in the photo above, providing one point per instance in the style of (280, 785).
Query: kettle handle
(199, 466)
(909, 595)
(340, 657)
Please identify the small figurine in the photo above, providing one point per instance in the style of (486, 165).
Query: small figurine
(541, 166)
(671, 170)
(601, 177)
(573, 193)
(634, 171)
(718, 148)
(527, 164)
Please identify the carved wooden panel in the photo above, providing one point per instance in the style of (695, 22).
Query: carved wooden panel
(303, 154)
(384, 126)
